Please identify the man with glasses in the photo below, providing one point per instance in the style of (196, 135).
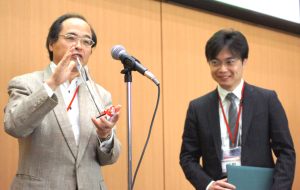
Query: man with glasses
(62, 142)
(236, 124)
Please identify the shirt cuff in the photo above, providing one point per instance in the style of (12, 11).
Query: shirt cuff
(208, 186)
(48, 89)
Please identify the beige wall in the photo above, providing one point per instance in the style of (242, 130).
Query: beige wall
(170, 41)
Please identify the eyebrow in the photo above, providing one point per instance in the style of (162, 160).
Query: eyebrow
(73, 33)
(228, 58)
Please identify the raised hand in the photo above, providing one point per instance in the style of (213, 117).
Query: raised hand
(63, 71)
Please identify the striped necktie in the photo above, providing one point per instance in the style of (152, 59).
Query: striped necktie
(232, 114)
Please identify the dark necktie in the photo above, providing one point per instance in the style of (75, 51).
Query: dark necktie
(232, 114)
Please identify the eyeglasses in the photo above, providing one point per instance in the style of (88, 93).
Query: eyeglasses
(228, 62)
(72, 38)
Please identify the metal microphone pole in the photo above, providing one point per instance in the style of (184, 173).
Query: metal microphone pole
(129, 136)
(128, 80)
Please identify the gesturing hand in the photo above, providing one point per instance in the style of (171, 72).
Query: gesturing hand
(63, 70)
(104, 126)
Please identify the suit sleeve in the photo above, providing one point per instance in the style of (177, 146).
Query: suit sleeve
(191, 152)
(26, 108)
(106, 158)
(110, 157)
(282, 145)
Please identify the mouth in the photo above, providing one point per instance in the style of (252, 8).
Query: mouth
(223, 77)
(75, 55)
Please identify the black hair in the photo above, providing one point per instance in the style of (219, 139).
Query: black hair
(55, 29)
(231, 39)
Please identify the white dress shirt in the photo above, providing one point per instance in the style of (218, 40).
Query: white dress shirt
(224, 133)
(223, 93)
(68, 91)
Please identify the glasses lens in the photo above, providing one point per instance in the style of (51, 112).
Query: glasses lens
(70, 37)
(214, 62)
(87, 42)
(74, 39)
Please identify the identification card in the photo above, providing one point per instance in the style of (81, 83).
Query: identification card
(231, 156)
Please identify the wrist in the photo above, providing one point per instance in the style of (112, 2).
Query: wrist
(50, 82)
(105, 138)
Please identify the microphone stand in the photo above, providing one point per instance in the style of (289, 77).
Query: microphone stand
(128, 79)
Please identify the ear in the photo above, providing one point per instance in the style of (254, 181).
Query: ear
(245, 61)
(51, 47)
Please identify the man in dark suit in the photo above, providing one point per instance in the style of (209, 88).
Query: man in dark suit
(238, 123)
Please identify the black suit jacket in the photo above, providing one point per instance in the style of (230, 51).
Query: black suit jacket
(264, 128)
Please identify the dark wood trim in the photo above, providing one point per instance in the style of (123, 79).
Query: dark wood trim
(241, 13)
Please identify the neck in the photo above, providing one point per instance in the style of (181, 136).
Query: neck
(231, 88)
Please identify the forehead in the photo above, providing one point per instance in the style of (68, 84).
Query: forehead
(76, 25)
(225, 53)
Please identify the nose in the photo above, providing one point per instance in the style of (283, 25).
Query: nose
(223, 67)
(78, 43)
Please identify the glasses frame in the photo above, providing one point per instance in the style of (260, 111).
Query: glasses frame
(73, 38)
(229, 62)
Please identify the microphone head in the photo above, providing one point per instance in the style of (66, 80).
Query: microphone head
(116, 51)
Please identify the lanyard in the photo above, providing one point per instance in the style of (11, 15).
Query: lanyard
(233, 138)
(75, 93)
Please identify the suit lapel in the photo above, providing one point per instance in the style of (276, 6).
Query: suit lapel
(215, 123)
(62, 118)
(248, 106)
(86, 113)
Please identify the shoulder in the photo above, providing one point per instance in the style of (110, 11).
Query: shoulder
(205, 100)
(27, 79)
(259, 91)
(37, 75)
(260, 97)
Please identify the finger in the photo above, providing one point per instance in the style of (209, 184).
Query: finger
(95, 122)
(225, 180)
(106, 123)
(98, 123)
(223, 183)
(67, 56)
(65, 60)
(94, 119)
(115, 118)
(118, 108)
(102, 123)
(71, 66)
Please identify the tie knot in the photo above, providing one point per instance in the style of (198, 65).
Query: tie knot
(230, 97)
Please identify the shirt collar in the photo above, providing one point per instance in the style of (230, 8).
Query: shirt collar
(237, 91)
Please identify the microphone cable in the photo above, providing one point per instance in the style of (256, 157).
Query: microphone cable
(83, 73)
(148, 137)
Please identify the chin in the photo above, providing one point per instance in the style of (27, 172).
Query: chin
(226, 86)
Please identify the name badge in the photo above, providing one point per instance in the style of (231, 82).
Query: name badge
(231, 156)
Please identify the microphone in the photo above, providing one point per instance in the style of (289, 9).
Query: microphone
(118, 52)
